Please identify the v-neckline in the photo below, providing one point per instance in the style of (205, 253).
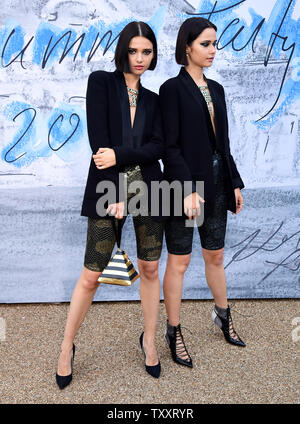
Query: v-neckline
(198, 96)
(134, 118)
(212, 117)
(137, 97)
(130, 131)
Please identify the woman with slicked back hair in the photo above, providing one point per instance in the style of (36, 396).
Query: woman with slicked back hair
(125, 135)
(197, 149)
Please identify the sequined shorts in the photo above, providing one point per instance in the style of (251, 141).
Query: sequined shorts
(101, 236)
(179, 238)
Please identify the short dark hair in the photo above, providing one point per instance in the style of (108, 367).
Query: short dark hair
(188, 32)
(133, 29)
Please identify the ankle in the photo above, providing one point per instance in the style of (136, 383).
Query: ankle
(222, 312)
(148, 338)
(173, 323)
(67, 347)
(222, 305)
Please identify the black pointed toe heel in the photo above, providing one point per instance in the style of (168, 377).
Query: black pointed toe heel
(174, 339)
(153, 370)
(64, 380)
(226, 325)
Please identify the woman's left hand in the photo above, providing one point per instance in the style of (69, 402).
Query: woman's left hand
(239, 201)
(104, 158)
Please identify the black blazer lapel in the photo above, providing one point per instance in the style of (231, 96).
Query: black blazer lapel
(189, 83)
(130, 136)
(123, 103)
(217, 111)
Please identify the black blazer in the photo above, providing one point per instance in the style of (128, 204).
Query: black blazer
(109, 125)
(189, 135)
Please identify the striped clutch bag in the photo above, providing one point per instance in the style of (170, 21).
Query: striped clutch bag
(120, 269)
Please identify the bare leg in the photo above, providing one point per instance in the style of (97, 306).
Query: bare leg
(215, 275)
(150, 296)
(216, 280)
(173, 280)
(82, 298)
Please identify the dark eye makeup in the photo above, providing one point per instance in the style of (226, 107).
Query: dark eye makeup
(146, 51)
(207, 43)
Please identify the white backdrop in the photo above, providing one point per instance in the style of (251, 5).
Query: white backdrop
(48, 49)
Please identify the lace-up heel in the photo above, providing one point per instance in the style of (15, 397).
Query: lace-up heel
(226, 325)
(174, 339)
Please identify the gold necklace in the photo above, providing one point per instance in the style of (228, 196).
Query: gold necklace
(132, 94)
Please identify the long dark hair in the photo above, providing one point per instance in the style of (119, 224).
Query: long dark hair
(133, 29)
(188, 32)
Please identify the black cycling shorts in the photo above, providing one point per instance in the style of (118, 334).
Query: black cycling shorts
(179, 238)
(101, 237)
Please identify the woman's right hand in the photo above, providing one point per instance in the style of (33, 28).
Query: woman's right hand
(116, 209)
(192, 205)
(104, 158)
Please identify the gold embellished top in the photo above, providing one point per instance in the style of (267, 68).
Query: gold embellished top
(207, 97)
(133, 94)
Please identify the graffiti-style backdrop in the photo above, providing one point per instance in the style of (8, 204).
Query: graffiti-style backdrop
(48, 49)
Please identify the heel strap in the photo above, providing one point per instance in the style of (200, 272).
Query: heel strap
(178, 340)
(227, 324)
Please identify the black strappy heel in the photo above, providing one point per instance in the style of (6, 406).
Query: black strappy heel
(177, 346)
(226, 325)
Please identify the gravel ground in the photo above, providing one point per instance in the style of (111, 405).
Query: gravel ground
(109, 367)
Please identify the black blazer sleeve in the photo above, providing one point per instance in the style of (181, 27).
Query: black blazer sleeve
(148, 152)
(96, 111)
(97, 123)
(174, 163)
(236, 178)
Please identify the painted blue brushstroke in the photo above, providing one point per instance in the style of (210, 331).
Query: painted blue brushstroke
(60, 132)
(291, 88)
(222, 19)
(292, 92)
(102, 28)
(43, 35)
(89, 39)
(47, 30)
(157, 21)
(26, 142)
(15, 43)
(63, 129)
(289, 29)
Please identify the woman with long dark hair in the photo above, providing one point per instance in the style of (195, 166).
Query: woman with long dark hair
(197, 149)
(124, 129)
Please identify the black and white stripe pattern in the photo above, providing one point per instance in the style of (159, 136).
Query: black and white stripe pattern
(119, 270)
